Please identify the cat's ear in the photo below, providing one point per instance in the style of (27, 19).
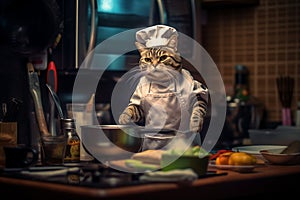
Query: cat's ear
(140, 47)
(173, 42)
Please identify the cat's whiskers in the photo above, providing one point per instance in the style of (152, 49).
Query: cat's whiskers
(133, 76)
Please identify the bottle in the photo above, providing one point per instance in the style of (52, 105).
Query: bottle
(72, 153)
(244, 110)
(241, 86)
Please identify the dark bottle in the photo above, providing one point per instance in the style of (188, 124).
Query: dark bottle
(241, 103)
(241, 86)
(72, 153)
(244, 111)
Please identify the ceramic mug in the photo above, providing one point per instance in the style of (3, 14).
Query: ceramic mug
(20, 156)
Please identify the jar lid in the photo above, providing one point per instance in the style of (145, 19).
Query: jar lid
(68, 123)
(241, 68)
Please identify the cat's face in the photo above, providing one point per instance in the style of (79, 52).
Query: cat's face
(160, 58)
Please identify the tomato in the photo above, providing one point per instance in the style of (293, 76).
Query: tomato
(214, 156)
(223, 158)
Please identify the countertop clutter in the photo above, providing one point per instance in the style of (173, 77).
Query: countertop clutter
(118, 180)
(264, 181)
(121, 179)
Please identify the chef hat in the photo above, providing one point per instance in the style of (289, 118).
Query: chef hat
(158, 35)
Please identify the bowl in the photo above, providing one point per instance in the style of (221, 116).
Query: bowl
(255, 150)
(111, 142)
(197, 164)
(274, 156)
(282, 135)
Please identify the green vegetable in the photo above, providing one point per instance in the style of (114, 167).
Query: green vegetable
(196, 149)
(191, 151)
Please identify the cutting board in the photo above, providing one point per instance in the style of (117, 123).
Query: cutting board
(119, 164)
(122, 166)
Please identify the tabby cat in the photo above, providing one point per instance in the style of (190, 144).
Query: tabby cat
(158, 101)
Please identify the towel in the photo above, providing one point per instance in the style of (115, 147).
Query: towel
(177, 175)
(52, 173)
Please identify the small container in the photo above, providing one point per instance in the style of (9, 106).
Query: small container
(79, 112)
(53, 149)
(72, 152)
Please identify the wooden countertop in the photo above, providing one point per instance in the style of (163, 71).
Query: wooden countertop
(264, 181)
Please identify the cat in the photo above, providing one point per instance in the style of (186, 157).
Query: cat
(167, 94)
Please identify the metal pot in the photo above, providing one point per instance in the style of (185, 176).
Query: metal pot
(111, 142)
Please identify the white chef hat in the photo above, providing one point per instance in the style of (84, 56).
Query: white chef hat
(158, 35)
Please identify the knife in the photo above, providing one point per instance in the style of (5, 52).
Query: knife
(56, 101)
(52, 82)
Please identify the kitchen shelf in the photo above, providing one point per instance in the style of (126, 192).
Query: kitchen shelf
(228, 3)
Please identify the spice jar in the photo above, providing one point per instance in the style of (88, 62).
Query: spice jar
(72, 153)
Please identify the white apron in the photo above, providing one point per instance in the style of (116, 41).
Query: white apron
(164, 111)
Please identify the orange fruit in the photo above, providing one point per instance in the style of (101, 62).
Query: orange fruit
(241, 158)
(223, 158)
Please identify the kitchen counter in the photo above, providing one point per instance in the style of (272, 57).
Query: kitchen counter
(264, 181)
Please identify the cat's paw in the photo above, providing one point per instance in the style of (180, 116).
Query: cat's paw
(125, 118)
(196, 124)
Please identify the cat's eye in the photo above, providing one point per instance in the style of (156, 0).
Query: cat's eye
(162, 58)
(148, 59)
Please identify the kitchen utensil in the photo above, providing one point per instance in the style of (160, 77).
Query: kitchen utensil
(293, 147)
(111, 142)
(34, 86)
(48, 173)
(52, 82)
(57, 102)
(53, 149)
(274, 156)
(255, 150)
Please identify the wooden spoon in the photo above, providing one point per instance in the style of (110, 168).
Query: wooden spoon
(293, 147)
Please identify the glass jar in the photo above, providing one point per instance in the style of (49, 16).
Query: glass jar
(72, 153)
